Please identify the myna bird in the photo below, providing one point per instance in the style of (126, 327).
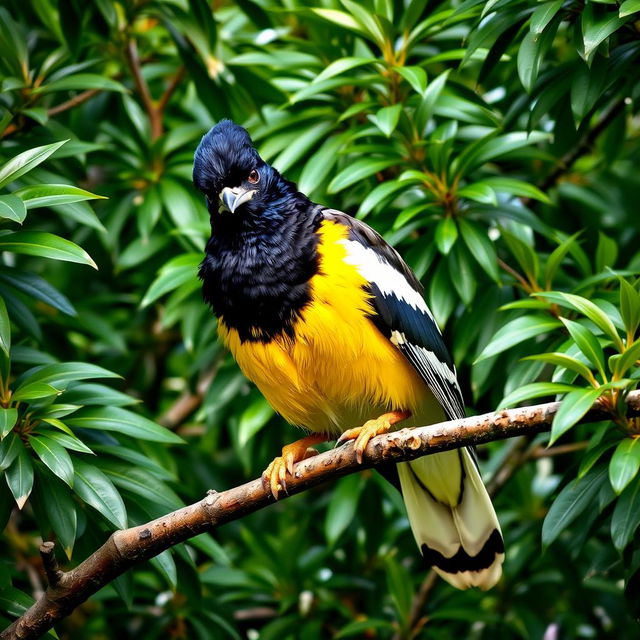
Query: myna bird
(331, 325)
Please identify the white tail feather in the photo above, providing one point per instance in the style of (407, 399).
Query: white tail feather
(452, 518)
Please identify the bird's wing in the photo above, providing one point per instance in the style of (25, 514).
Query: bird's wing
(401, 312)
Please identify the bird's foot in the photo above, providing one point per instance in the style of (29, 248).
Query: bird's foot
(274, 477)
(369, 429)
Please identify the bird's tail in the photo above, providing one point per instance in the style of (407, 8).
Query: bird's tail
(452, 518)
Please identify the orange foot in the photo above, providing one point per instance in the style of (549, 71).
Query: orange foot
(371, 428)
(274, 477)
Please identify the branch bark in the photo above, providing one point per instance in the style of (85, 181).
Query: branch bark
(128, 547)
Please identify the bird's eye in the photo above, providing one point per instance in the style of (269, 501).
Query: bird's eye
(254, 177)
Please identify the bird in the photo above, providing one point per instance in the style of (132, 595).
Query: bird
(331, 325)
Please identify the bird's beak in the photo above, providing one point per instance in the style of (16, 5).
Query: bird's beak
(232, 198)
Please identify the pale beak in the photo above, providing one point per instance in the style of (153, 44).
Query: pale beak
(232, 198)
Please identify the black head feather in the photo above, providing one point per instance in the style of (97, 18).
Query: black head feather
(224, 157)
(260, 258)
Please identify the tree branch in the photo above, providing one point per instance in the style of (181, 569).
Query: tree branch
(126, 548)
(142, 88)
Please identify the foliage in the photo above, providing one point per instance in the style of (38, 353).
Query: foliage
(494, 143)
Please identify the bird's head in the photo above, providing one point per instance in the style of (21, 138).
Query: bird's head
(231, 174)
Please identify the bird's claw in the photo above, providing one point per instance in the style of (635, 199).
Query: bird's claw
(274, 477)
(363, 434)
(369, 429)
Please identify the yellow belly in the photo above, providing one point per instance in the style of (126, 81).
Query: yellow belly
(340, 370)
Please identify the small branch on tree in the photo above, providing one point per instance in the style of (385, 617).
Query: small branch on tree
(51, 568)
(173, 85)
(126, 548)
(155, 116)
(72, 102)
(187, 403)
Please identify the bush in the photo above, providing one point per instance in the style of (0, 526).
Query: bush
(495, 144)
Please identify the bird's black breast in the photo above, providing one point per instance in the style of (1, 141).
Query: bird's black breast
(257, 279)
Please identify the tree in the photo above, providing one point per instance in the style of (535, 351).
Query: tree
(494, 144)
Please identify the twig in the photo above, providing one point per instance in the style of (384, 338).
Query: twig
(51, 568)
(126, 548)
(173, 85)
(187, 403)
(544, 452)
(72, 102)
(143, 89)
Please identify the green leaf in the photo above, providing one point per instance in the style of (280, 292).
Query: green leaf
(63, 372)
(8, 419)
(26, 161)
(386, 119)
(35, 391)
(524, 253)
(171, 276)
(12, 208)
(97, 394)
(597, 24)
(629, 7)
(95, 488)
(626, 516)
(446, 235)
(5, 328)
(606, 252)
(587, 343)
(516, 331)
(68, 441)
(38, 288)
(563, 360)
(319, 165)
(480, 247)
(252, 419)
(20, 475)
(338, 67)
(367, 20)
(339, 18)
(81, 82)
(516, 188)
(462, 272)
(293, 153)
(46, 195)
(59, 508)
(415, 76)
(9, 449)
(122, 421)
(342, 507)
(543, 14)
(573, 406)
(573, 500)
(380, 193)
(425, 111)
(629, 306)
(621, 363)
(557, 256)
(534, 390)
(166, 565)
(359, 170)
(587, 308)
(480, 192)
(45, 245)
(137, 482)
(624, 464)
(54, 456)
(400, 587)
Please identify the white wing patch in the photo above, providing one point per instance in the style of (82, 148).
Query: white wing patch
(374, 268)
(440, 379)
